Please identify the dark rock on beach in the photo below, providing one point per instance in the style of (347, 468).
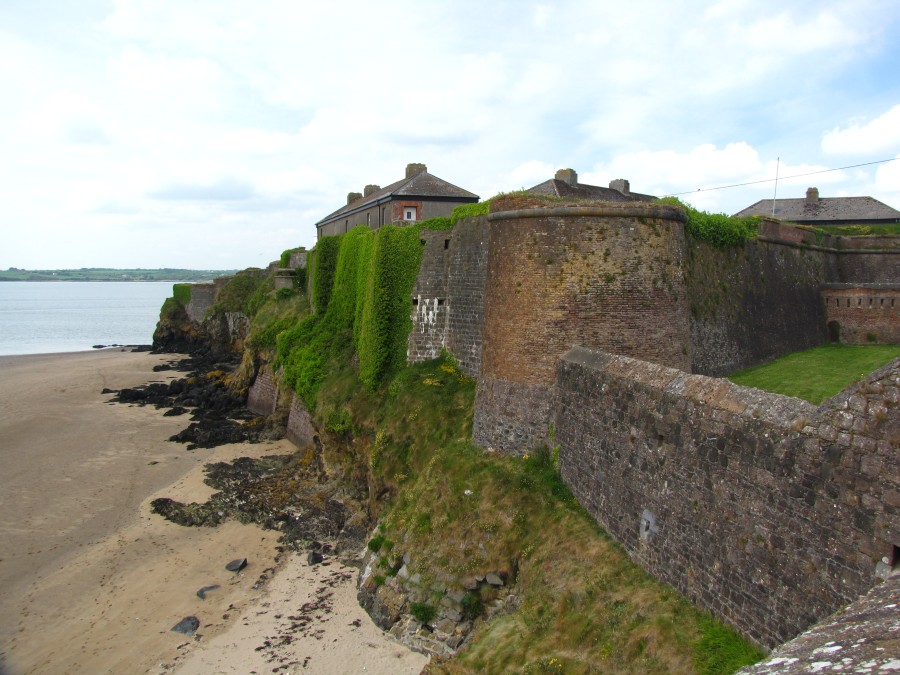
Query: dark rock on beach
(188, 625)
(236, 565)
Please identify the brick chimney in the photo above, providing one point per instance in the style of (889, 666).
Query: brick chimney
(370, 189)
(353, 196)
(415, 169)
(812, 195)
(567, 176)
(621, 185)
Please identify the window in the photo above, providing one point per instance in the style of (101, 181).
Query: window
(409, 213)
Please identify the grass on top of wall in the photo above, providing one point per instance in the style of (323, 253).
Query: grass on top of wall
(817, 374)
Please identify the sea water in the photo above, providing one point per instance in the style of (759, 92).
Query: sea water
(40, 317)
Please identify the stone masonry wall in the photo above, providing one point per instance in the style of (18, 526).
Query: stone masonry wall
(448, 297)
(867, 315)
(262, 397)
(606, 276)
(753, 303)
(300, 430)
(203, 295)
(429, 299)
(469, 249)
(869, 260)
(764, 509)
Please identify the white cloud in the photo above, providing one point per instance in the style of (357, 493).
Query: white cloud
(881, 135)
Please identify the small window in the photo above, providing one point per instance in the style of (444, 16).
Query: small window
(446, 244)
(409, 213)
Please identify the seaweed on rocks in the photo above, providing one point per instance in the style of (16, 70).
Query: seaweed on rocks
(278, 492)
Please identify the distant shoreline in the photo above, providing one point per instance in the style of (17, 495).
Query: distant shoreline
(158, 274)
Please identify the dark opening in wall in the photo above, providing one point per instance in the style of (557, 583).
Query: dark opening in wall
(422, 241)
(834, 331)
(415, 302)
(895, 558)
(440, 302)
(446, 244)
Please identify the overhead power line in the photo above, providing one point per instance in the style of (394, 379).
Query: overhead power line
(781, 178)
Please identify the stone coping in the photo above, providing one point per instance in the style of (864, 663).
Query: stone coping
(603, 211)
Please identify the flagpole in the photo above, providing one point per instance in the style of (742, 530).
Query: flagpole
(777, 164)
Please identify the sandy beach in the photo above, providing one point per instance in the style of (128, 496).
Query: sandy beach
(93, 582)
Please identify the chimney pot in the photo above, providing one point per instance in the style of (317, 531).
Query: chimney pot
(370, 189)
(353, 196)
(568, 176)
(621, 185)
(415, 169)
(812, 195)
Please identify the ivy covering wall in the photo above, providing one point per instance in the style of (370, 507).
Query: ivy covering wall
(361, 289)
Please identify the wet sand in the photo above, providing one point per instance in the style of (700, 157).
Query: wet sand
(92, 581)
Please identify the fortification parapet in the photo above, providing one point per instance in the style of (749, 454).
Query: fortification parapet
(762, 508)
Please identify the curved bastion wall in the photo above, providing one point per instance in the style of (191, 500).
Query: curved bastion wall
(607, 277)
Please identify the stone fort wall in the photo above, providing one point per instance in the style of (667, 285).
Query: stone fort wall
(764, 509)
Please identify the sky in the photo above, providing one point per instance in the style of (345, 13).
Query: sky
(213, 134)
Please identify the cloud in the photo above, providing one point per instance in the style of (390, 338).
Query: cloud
(881, 135)
(224, 189)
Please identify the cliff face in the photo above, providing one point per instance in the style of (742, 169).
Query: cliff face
(194, 321)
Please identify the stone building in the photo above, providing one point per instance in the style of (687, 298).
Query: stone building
(418, 196)
(816, 210)
(565, 184)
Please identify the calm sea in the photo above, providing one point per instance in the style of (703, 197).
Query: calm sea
(39, 317)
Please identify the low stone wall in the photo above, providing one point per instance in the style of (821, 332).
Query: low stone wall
(203, 296)
(511, 417)
(861, 638)
(764, 509)
(300, 430)
(862, 315)
(262, 396)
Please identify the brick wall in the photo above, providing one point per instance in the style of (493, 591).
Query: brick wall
(761, 508)
(262, 396)
(867, 315)
(609, 277)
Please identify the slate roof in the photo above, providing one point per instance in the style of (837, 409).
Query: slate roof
(825, 210)
(423, 185)
(560, 188)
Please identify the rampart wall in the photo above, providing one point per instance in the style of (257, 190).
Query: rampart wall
(762, 508)
(609, 277)
(448, 297)
(858, 314)
(753, 303)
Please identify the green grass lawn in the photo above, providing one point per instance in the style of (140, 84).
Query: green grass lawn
(819, 373)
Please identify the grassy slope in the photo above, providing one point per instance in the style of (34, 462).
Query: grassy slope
(817, 374)
(584, 607)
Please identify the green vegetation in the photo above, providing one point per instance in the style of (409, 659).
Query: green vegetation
(285, 259)
(111, 274)
(182, 293)
(245, 292)
(401, 435)
(819, 373)
(860, 230)
(717, 229)
(361, 287)
(458, 512)
(470, 211)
